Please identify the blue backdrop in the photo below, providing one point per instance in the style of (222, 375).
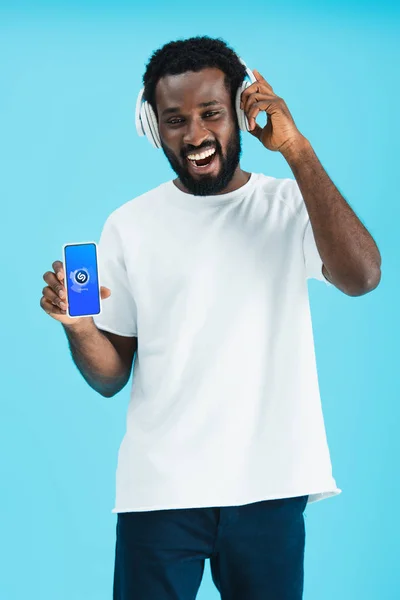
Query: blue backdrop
(70, 74)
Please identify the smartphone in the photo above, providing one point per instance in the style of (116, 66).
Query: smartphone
(82, 279)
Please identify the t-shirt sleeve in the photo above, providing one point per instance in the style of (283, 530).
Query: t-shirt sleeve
(118, 312)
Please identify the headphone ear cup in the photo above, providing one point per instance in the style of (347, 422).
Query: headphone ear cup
(138, 114)
(146, 121)
(153, 125)
(242, 119)
(147, 124)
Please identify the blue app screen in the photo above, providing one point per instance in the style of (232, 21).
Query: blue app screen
(81, 279)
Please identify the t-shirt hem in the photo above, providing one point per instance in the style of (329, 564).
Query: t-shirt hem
(313, 496)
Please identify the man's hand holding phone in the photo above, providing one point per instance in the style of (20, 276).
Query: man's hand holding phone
(104, 363)
(54, 299)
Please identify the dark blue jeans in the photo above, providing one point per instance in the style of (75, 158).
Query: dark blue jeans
(256, 551)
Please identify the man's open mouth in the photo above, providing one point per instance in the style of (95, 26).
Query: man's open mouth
(202, 159)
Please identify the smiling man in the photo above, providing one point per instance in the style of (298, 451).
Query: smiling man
(206, 281)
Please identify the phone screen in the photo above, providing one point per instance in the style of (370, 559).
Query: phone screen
(81, 279)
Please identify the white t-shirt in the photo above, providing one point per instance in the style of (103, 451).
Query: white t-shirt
(225, 406)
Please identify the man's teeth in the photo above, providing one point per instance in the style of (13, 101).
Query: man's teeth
(202, 155)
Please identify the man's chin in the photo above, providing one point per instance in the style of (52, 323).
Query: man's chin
(202, 185)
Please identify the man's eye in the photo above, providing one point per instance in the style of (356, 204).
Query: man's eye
(211, 113)
(174, 121)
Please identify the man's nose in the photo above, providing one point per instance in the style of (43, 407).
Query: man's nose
(195, 133)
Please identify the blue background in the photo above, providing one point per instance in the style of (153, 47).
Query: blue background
(70, 74)
(86, 301)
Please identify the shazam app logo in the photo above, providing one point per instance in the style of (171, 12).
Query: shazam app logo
(79, 278)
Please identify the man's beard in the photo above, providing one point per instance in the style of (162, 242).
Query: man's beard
(208, 185)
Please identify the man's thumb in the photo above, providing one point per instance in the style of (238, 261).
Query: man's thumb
(104, 292)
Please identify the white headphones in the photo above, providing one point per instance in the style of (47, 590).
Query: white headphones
(146, 120)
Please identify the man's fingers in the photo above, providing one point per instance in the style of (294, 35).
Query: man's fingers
(261, 102)
(258, 87)
(253, 110)
(52, 281)
(58, 269)
(256, 131)
(49, 308)
(54, 298)
(253, 113)
(265, 105)
(261, 79)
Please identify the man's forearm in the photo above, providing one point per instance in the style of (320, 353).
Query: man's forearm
(96, 358)
(348, 251)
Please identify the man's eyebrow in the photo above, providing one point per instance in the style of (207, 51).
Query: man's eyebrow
(175, 109)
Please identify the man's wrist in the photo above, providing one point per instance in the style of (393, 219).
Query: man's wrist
(296, 150)
(82, 326)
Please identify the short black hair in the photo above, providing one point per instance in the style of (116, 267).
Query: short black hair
(193, 54)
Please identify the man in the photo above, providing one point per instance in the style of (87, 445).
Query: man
(206, 281)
